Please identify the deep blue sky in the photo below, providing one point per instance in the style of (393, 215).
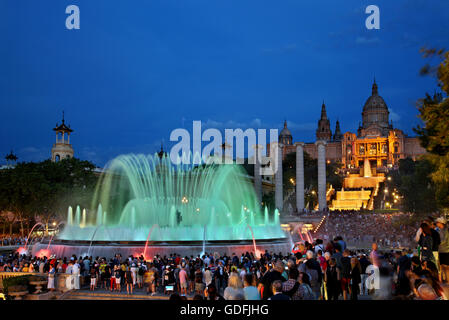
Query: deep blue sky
(136, 70)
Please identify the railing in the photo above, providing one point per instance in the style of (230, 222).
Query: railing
(6, 275)
(60, 278)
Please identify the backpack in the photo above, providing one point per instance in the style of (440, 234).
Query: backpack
(141, 271)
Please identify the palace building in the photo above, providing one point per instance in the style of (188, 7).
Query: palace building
(366, 156)
(376, 139)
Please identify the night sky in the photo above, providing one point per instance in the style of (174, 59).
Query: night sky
(136, 70)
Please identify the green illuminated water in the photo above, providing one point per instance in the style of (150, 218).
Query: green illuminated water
(187, 203)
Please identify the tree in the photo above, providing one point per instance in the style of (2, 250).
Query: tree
(43, 190)
(414, 183)
(434, 135)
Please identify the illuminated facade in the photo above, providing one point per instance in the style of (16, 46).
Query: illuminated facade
(376, 139)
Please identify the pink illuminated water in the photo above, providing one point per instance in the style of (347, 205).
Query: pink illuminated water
(148, 239)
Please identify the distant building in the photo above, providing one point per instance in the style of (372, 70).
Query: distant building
(376, 139)
(62, 149)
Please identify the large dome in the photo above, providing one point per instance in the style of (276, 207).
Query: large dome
(375, 111)
(375, 103)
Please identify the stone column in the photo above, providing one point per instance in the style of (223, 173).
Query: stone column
(321, 146)
(257, 171)
(278, 192)
(299, 176)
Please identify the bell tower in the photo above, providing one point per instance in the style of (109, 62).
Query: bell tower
(62, 149)
(324, 128)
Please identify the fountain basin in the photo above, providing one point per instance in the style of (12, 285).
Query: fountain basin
(107, 249)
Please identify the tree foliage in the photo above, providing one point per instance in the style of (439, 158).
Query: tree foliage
(434, 134)
(413, 181)
(45, 189)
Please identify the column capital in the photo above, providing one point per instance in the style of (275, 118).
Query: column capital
(299, 144)
(320, 142)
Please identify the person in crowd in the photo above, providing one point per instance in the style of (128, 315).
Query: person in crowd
(345, 273)
(374, 255)
(129, 280)
(212, 293)
(69, 280)
(364, 263)
(199, 284)
(117, 277)
(270, 276)
(93, 278)
(134, 273)
(305, 290)
(426, 242)
(152, 279)
(277, 292)
(234, 290)
(183, 281)
(249, 287)
(140, 273)
(208, 276)
(443, 249)
(332, 279)
(355, 276)
(51, 278)
(291, 286)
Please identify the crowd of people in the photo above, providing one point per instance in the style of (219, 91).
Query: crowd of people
(12, 240)
(360, 230)
(322, 270)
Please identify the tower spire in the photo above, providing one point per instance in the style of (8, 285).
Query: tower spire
(323, 111)
(323, 131)
(162, 153)
(374, 91)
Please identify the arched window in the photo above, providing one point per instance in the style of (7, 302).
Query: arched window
(57, 158)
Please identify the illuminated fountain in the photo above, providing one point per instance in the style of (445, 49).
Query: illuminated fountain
(195, 208)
